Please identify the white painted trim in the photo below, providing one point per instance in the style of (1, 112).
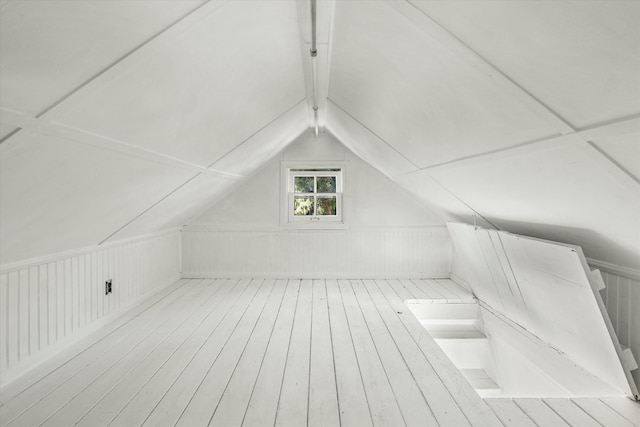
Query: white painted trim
(618, 270)
(18, 265)
(285, 177)
(11, 374)
(288, 275)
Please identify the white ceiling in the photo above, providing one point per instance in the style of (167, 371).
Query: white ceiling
(122, 118)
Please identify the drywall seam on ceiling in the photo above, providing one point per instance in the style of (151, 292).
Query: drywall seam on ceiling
(618, 167)
(620, 127)
(464, 203)
(250, 137)
(350, 117)
(373, 133)
(149, 208)
(281, 115)
(431, 27)
(46, 127)
(113, 64)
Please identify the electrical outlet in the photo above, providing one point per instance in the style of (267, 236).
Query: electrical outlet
(108, 287)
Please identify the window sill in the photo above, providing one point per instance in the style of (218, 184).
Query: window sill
(303, 225)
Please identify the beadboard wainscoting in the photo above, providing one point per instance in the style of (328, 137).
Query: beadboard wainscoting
(620, 296)
(47, 304)
(423, 252)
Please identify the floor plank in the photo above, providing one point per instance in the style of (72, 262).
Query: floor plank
(293, 404)
(571, 413)
(206, 398)
(142, 404)
(540, 413)
(354, 407)
(629, 409)
(382, 400)
(509, 413)
(49, 395)
(120, 396)
(263, 402)
(603, 413)
(408, 394)
(323, 396)
(176, 399)
(234, 401)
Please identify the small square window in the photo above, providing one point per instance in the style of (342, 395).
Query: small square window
(314, 195)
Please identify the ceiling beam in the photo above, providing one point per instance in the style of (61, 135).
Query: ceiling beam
(325, 19)
(465, 52)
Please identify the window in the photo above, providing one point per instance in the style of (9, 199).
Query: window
(314, 195)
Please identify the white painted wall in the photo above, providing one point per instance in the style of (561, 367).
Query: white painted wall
(388, 232)
(49, 303)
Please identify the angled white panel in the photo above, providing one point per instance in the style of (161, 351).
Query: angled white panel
(59, 195)
(566, 192)
(557, 303)
(366, 144)
(51, 47)
(245, 159)
(201, 88)
(431, 104)
(563, 309)
(579, 57)
(180, 206)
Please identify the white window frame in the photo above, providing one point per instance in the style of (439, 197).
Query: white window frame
(297, 169)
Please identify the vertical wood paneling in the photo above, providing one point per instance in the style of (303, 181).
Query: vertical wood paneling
(4, 320)
(623, 302)
(13, 321)
(41, 304)
(34, 322)
(23, 296)
(419, 252)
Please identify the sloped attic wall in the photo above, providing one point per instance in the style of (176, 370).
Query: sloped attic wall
(130, 117)
(120, 121)
(388, 232)
(524, 114)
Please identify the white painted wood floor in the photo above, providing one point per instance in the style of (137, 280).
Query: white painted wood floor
(277, 352)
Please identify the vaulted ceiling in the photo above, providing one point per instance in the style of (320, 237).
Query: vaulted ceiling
(123, 118)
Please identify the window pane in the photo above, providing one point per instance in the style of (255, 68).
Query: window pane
(303, 184)
(303, 206)
(326, 205)
(326, 184)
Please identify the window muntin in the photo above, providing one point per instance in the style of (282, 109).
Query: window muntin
(315, 195)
